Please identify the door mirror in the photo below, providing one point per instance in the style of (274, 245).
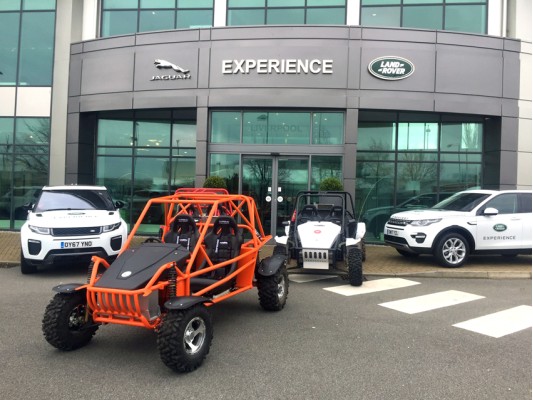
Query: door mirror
(119, 204)
(490, 211)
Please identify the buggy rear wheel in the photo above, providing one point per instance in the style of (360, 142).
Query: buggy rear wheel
(66, 323)
(354, 261)
(273, 290)
(185, 338)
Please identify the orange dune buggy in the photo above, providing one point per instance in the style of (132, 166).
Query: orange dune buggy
(168, 285)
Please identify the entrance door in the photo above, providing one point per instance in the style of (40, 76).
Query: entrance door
(274, 181)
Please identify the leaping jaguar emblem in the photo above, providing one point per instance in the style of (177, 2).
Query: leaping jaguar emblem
(163, 64)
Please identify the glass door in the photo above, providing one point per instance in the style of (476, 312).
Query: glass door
(274, 181)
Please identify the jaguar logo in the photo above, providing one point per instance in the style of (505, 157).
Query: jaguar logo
(163, 64)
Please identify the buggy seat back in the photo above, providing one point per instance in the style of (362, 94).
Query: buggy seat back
(184, 231)
(335, 215)
(309, 213)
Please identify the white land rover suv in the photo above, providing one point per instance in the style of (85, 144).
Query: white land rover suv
(473, 221)
(70, 224)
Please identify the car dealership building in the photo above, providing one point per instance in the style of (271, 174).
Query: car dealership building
(396, 98)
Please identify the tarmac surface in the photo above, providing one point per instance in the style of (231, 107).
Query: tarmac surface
(380, 261)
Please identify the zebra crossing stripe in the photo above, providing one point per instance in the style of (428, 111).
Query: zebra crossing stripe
(501, 323)
(432, 301)
(377, 285)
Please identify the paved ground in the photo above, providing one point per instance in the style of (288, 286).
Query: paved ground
(380, 260)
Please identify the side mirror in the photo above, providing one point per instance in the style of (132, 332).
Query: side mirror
(119, 204)
(490, 211)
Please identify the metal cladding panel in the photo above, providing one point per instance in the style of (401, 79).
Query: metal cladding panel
(452, 103)
(279, 32)
(421, 55)
(107, 71)
(168, 66)
(277, 64)
(74, 86)
(108, 101)
(469, 70)
(175, 36)
(511, 66)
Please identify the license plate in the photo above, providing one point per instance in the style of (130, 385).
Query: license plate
(392, 232)
(76, 243)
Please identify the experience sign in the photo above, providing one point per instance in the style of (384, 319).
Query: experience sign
(391, 68)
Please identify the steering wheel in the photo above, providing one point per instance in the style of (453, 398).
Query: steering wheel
(153, 240)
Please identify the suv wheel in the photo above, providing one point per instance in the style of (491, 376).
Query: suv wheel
(185, 337)
(452, 250)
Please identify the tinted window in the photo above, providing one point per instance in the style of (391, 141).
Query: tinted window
(505, 203)
(74, 200)
(461, 202)
(525, 202)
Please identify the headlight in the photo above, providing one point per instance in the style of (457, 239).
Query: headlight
(112, 227)
(39, 230)
(425, 222)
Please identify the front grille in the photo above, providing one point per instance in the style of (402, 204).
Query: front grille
(398, 222)
(92, 230)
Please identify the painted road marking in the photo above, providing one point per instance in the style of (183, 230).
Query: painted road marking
(377, 285)
(303, 278)
(501, 323)
(432, 301)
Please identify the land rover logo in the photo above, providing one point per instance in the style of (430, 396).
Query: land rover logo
(499, 227)
(391, 68)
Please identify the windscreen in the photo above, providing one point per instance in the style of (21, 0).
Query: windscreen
(74, 200)
(461, 202)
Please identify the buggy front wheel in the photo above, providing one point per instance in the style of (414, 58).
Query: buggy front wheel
(354, 261)
(185, 337)
(273, 290)
(66, 323)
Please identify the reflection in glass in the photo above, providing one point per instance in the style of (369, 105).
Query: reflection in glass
(328, 128)
(323, 167)
(156, 20)
(9, 32)
(226, 166)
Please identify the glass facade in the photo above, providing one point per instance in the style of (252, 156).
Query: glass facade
(27, 46)
(143, 155)
(121, 17)
(452, 15)
(407, 160)
(286, 12)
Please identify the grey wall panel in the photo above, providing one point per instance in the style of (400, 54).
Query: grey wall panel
(421, 55)
(76, 48)
(511, 65)
(103, 102)
(508, 169)
(180, 55)
(232, 54)
(385, 100)
(512, 45)
(107, 71)
(469, 70)
(74, 84)
(163, 99)
(109, 43)
(462, 39)
(510, 108)
(204, 56)
(354, 65)
(73, 105)
(281, 32)
(174, 36)
(73, 128)
(509, 134)
(467, 104)
(202, 117)
(398, 35)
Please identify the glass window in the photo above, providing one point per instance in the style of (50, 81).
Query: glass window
(325, 167)
(288, 128)
(286, 3)
(36, 48)
(119, 22)
(461, 137)
(225, 127)
(285, 16)
(158, 3)
(326, 3)
(115, 133)
(328, 128)
(152, 134)
(505, 203)
(9, 32)
(39, 5)
(32, 131)
(418, 135)
(424, 1)
(333, 16)
(155, 20)
(381, 16)
(255, 127)
(119, 4)
(423, 17)
(6, 134)
(377, 136)
(246, 3)
(415, 177)
(379, 2)
(184, 134)
(246, 17)
(194, 18)
(9, 5)
(466, 18)
(195, 3)
(227, 167)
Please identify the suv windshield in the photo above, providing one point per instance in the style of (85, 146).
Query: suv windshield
(77, 199)
(461, 202)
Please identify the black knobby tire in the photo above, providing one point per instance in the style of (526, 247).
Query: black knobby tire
(184, 338)
(354, 263)
(65, 324)
(407, 254)
(452, 250)
(25, 267)
(273, 290)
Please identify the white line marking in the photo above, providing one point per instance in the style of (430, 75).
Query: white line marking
(377, 285)
(501, 323)
(431, 301)
(303, 278)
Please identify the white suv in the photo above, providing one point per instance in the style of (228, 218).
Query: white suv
(473, 221)
(71, 224)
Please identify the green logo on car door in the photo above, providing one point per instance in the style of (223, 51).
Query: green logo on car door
(499, 227)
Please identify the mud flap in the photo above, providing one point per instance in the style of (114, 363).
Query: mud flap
(184, 302)
(67, 288)
(270, 265)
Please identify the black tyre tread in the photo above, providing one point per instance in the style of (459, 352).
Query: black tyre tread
(438, 250)
(267, 288)
(170, 339)
(25, 267)
(354, 260)
(55, 323)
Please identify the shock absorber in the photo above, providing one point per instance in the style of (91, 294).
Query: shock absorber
(172, 276)
(90, 271)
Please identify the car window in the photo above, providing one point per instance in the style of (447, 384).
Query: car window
(461, 202)
(524, 205)
(74, 200)
(506, 203)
